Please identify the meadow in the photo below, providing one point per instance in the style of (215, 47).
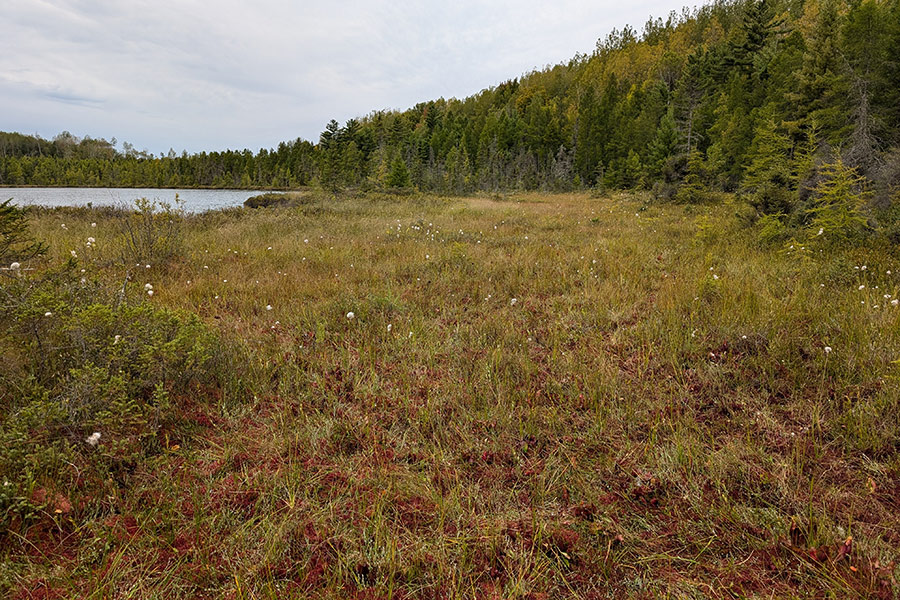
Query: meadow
(510, 396)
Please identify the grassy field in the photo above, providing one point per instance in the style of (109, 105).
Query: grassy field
(524, 396)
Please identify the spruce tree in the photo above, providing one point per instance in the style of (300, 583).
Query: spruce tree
(768, 180)
(663, 146)
(398, 176)
(822, 84)
(693, 190)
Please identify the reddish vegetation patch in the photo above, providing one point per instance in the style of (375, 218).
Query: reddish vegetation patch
(54, 501)
(39, 590)
(50, 539)
(585, 511)
(415, 512)
(564, 539)
(232, 494)
(123, 528)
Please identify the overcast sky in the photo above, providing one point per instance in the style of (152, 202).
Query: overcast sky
(208, 75)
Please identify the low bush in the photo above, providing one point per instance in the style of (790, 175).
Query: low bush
(91, 383)
(152, 232)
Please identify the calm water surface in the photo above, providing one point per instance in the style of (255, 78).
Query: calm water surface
(195, 201)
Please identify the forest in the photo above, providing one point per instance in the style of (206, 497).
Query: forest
(757, 97)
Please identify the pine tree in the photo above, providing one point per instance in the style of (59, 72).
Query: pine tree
(863, 47)
(398, 177)
(758, 26)
(663, 147)
(693, 190)
(822, 83)
(689, 94)
(15, 242)
(768, 179)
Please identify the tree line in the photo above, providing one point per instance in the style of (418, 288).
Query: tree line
(753, 96)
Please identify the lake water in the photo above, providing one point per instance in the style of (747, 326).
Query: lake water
(195, 201)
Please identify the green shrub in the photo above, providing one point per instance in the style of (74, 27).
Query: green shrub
(15, 243)
(771, 229)
(152, 233)
(94, 368)
(78, 359)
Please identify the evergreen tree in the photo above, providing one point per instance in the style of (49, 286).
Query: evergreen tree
(822, 83)
(693, 189)
(662, 148)
(398, 176)
(758, 26)
(836, 211)
(768, 180)
(15, 242)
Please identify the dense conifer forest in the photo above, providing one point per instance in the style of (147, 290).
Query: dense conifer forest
(749, 96)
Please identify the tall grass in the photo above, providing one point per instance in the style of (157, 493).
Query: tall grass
(537, 396)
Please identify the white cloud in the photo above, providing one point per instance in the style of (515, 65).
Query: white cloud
(202, 76)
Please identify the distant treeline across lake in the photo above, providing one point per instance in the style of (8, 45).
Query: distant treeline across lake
(193, 200)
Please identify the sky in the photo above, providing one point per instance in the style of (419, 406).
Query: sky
(202, 75)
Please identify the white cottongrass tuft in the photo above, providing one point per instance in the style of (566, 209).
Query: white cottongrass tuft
(148, 286)
(827, 349)
(91, 240)
(117, 339)
(14, 266)
(93, 439)
(895, 302)
(149, 292)
(389, 327)
(48, 314)
(73, 253)
(93, 224)
(268, 307)
(350, 315)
